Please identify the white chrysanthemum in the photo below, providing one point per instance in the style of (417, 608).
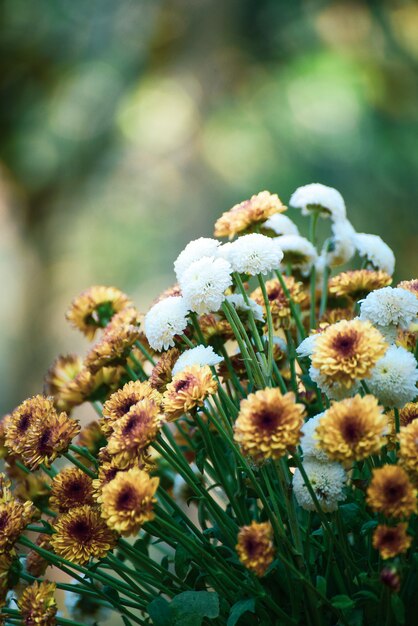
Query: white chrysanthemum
(254, 254)
(309, 444)
(390, 307)
(394, 378)
(327, 481)
(281, 225)
(376, 251)
(84, 609)
(297, 252)
(195, 250)
(164, 320)
(306, 347)
(201, 355)
(237, 301)
(340, 247)
(204, 282)
(317, 197)
(333, 389)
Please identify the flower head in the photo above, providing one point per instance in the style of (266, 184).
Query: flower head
(48, 438)
(248, 213)
(128, 501)
(340, 247)
(408, 453)
(327, 481)
(194, 251)
(389, 307)
(22, 420)
(334, 389)
(81, 534)
(164, 321)
(241, 305)
(409, 285)
(279, 224)
(188, 389)
(95, 307)
(254, 254)
(162, 372)
(70, 489)
(113, 348)
(352, 429)
(327, 201)
(215, 328)
(394, 378)
(200, 355)
(309, 442)
(279, 302)
(391, 492)
(356, 284)
(376, 251)
(268, 424)
(347, 351)
(391, 540)
(37, 604)
(122, 400)
(204, 282)
(35, 564)
(255, 547)
(14, 517)
(297, 252)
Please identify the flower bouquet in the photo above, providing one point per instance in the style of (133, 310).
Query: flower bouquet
(254, 459)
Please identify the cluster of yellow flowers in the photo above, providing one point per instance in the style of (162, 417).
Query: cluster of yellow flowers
(275, 392)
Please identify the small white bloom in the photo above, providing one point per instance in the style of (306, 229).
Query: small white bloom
(164, 320)
(317, 197)
(297, 252)
(394, 378)
(327, 481)
(204, 282)
(84, 609)
(281, 225)
(306, 347)
(200, 355)
(333, 389)
(340, 248)
(255, 254)
(309, 444)
(388, 307)
(237, 300)
(376, 251)
(195, 250)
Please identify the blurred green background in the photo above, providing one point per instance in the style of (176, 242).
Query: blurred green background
(128, 126)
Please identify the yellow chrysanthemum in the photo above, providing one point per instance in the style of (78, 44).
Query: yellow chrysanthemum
(48, 438)
(248, 213)
(128, 501)
(268, 424)
(408, 453)
(391, 492)
(70, 489)
(347, 351)
(215, 328)
(135, 431)
(95, 307)
(332, 316)
(23, 418)
(188, 389)
(37, 604)
(161, 373)
(113, 348)
(391, 540)
(352, 429)
(14, 517)
(357, 284)
(255, 547)
(279, 302)
(122, 400)
(81, 534)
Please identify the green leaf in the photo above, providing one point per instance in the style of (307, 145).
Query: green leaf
(181, 561)
(197, 603)
(239, 608)
(342, 602)
(352, 515)
(321, 585)
(398, 608)
(368, 527)
(160, 612)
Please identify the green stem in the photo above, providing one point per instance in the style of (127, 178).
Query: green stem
(79, 464)
(145, 352)
(292, 306)
(269, 325)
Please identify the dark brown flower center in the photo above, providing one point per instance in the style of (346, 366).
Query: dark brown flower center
(23, 423)
(45, 443)
(125, 405)
(252, 546)
(127, 499)
(182, 385)
(267, 419)
(352, 429)
(80, 530)
(345, 344)
(394, 491)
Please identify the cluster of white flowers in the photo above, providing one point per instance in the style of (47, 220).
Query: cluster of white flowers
(376, 251)
(281, 225)
(253, 254)
(194, 251)
(238, 301)
(333, 389)
(309, 444)
(164, 321)
(204, 282)
(201, 355)
(394, 378)
(317, 197)
(390, 308)
(327, 480)
(306, 347)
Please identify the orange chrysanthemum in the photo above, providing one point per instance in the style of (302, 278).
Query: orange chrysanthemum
(70, 489)
(391, 540)
(113, 348)
(48, 438)
(128, 501)
(31, 411)
(247, 214)
(37, 604)
(95, 307)
(357, 284)
(268, 424)
(122, 400)
(161, 373)
(352, 429)
(255, 547)
(347, 351)
(81, 534)
(188, 389)
(391, 492)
